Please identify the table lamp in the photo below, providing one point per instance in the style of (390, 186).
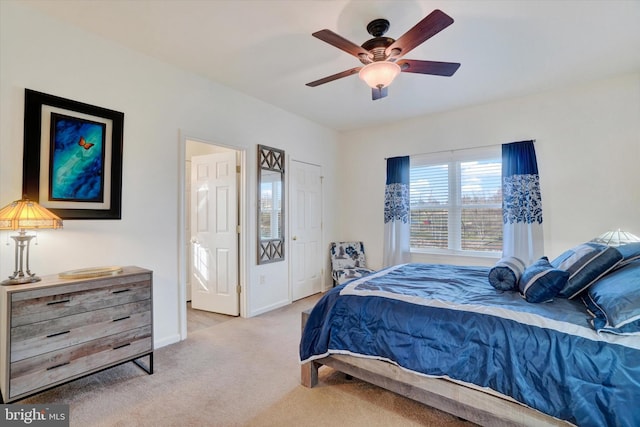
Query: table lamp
(24, 215)
(616, 238)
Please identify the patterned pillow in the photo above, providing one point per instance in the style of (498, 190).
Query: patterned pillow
(505, 274)
(585, 263)
(614, 301)
(630, 252)
(541, 282)
(347, 255)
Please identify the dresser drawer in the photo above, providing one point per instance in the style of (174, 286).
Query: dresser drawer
(47, 369)
(25, 310)
(49, 335)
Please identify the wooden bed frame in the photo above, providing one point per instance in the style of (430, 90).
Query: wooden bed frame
(471, 404)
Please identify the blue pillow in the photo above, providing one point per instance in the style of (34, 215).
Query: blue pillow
(505, 274)
(630, 252)
(541, 282)
(585, 263)
(614, 301)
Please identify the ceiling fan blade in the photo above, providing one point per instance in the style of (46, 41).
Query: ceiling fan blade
(340, 42)
(428, 67)
(334, 77)
(379, 92)
(431, 25)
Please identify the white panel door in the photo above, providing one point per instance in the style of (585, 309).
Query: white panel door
(214, 242)
(306, 229)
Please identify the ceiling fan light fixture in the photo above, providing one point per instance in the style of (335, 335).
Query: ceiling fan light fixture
(379, 74)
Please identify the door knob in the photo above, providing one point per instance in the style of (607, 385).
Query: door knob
(294, 238)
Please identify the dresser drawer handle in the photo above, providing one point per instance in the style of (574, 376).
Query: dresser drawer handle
(58, 333)
(120, 291)
(122, 318)
(62, 301)
(121, 345)
(57, 366)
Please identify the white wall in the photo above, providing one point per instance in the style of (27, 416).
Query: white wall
(159, 102)
(588, 150)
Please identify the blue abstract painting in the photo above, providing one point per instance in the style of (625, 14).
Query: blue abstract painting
(76, 168)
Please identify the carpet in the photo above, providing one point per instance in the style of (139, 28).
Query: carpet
(240, 372)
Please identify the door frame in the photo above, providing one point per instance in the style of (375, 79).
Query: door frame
(242, 219)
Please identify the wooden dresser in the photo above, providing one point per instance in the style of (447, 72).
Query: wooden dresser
(58, 330)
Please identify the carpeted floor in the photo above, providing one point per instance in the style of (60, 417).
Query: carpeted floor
(237, 372)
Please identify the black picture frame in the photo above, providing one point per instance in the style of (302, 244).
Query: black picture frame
(37, 161)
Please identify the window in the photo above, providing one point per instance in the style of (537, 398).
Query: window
(456, 201)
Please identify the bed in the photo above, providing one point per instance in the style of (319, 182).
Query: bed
(443, 335)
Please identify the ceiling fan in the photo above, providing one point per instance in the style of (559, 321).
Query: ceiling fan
(381, 55)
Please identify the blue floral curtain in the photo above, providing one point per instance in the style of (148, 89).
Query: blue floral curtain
(396, 212)
(521, 202)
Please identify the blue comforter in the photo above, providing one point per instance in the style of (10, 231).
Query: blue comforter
(448, 321)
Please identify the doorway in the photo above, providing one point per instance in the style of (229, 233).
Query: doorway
(192, 148)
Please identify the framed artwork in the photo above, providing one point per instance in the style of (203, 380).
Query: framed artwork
(72, 161)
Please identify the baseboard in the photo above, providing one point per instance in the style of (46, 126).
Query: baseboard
(268, 308)
(172, 339)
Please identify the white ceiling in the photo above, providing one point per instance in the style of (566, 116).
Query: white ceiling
(264, 48)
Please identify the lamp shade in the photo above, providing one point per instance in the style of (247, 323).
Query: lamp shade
(379, 74)
(616, 238)
(27, 214)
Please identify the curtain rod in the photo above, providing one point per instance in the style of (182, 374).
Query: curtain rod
(468, 148)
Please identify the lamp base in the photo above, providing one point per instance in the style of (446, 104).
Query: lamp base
(19, 277)
(20, 280)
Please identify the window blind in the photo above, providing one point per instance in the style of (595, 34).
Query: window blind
(456, 200)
